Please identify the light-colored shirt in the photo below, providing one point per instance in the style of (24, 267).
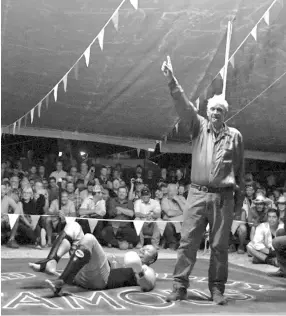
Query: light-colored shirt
(263, 236)
(58, 175)
(147, 208)
(99, 207)
(170, 207)
(68, 209)
(8, 205)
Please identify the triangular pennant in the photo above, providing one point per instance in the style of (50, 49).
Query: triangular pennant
(100, 38)
(266, 17)
(56, 92)
(25, 121)
(178, 227)
(231, 60)
(47, 101)
(19, 123)
(14, 127)
(115, 230)
(138, 226)
(198, 103)
(70, 219)
(76, 71)
(177, 127)
(115, 19)
(32, 115)
(222, 72)
(138, 152)
(134, 3)
(87, 55)
(92, 224)
(12, 219)
(39, 108)
(35, 219)
(65, 81)
(161, 227)
(254, 32)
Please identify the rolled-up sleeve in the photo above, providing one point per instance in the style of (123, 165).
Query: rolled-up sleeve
(100, 208)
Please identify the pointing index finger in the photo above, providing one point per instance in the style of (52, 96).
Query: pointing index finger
(169, 59)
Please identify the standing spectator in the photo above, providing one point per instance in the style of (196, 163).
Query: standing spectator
(217, 181)
(260, 248)
(120, 234)
(173, 207)
(33, 173)
(59, 173)
(148, 209)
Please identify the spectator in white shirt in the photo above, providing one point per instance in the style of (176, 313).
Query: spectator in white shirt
(59, 173)
(261, 248)
(150, 210)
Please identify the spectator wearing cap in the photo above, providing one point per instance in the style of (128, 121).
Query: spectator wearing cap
(261, 248)
(148, 209)
(172, 207)
(94, 205)
(121, 235)
(56, 222)
(59, 173)
(258, 212)
(88, 192)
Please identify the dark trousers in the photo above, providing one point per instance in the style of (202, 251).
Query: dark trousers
(125, 233)
(279, 244)
(217, 209)
(170, 235)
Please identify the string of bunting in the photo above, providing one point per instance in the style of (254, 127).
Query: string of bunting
(138, 224)
(86, 54)
(253, 33)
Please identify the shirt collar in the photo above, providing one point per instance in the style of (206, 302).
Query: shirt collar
(224, 131)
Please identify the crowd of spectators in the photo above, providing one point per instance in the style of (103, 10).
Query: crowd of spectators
(59, 189)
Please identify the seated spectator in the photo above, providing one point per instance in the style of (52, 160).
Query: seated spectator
(138, 173)
(115, 185)
(8, 205)
(103, 177)
(182, 191)
(281, 206)
(57, 221)
(72, 196)
(79, 187)
(172, 207)
(88, 192)
(158, 195)
(163, 176)
(83, 174)
(42, 172)
(33, 173)
(164, 188)
(172, 176)
(276, 192)
(59, 173)
(74, 174)
(120, 234)
(258, 213)
(135, 189)
(15, 182)
(261, 248)
(53, 190)
(150, 210)
(94, 205)
(45, 184)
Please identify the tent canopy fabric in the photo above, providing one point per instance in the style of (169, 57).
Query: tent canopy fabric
(122, 96)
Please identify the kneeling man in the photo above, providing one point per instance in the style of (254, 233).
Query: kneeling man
(89, 266)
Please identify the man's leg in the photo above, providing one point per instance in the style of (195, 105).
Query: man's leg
(88, 267)
(279, 244)
(156, 236)
(129, 234)
(170, 236)
(109, 237)
(193, 228)
(220, 216)
(258, 256)
(66, 241)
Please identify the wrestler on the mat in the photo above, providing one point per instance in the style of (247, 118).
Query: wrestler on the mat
(90, 267)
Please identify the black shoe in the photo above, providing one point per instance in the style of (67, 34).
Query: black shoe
(55, 285)
(218, 297)
(178, 294)
(278, 274)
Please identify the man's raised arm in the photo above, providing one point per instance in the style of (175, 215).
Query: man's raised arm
(185, 109)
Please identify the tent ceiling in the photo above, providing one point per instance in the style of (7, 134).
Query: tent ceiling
(123, 93)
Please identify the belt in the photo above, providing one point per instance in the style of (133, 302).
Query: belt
(209, 189)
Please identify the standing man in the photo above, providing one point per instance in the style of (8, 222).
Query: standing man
(216, 190)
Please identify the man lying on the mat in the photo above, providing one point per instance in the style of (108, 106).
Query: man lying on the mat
(90, 267)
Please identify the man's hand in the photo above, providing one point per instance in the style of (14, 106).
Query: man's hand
(167, 69)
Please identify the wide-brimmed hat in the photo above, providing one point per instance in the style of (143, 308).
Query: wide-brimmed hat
(281, 200)
(262, 199)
